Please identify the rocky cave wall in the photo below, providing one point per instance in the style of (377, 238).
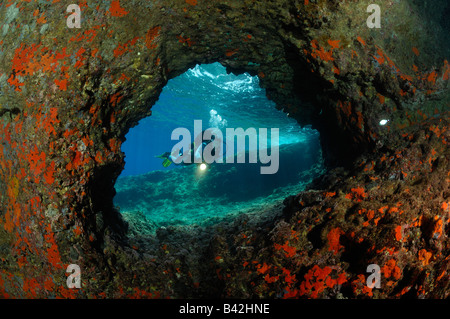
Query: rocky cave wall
(69, 96)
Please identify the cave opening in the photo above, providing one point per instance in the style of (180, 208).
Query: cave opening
(167, 193)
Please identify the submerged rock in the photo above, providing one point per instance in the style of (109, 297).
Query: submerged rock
(69, 96)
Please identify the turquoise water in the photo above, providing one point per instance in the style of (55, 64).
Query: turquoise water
(185, 194)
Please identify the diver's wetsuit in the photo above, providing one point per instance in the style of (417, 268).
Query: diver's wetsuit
(193, 152)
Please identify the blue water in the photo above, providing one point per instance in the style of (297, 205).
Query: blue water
(207, 93)
(181, 195)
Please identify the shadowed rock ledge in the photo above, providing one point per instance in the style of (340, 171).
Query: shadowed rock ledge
(69, 96)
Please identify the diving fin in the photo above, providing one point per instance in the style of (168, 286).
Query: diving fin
(162, 155)
(167, 162)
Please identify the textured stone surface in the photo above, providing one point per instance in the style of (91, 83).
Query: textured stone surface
(69, 96)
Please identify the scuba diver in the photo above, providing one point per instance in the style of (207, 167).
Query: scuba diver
(194, 152)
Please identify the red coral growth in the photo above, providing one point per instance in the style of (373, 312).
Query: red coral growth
(48, 284)
(437, 227)
(334, 43)
(150, 37)
(357, 194)
(28, 59)
(13, 81)
(122, 48)
(317, 280)
(336, 70)
(360, 40)
(49, 121)
(88, 35)
(78, 160)
(184, 40)
(425, 256)
(229, 53)
(53, 255)
(288, 250)
(99, 158)
(116, 10)
(114, 145)
(78, 231)
(380, 58)
(116, 98)
(370, 214)
(37, 163)
(62, 84)
(80, 58)
(398, 233)
(270, 279)
(432, 77)
(390, 269)
(359, 286)
(31, 286)
(383, 209)
(22, 62)
(48, 176)
(321, 53)
(290, 279)
(262, 269)
(333, 240)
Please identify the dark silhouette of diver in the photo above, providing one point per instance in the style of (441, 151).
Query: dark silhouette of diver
(193, 152)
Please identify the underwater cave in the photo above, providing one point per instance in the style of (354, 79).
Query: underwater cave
(186, 194)
(363, 176)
